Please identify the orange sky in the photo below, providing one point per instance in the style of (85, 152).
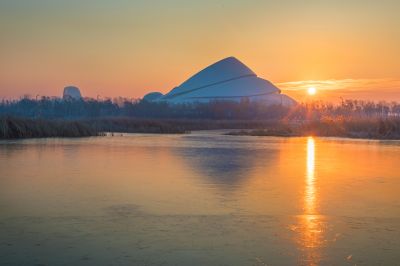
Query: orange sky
(127, 48)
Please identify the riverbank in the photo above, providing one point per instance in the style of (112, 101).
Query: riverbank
(365, 128)
(15, 128)
(369, 128)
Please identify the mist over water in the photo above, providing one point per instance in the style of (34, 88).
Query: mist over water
(199, 199)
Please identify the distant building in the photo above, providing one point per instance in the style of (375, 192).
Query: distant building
(72, 93)
(152, 96)
(225, 80)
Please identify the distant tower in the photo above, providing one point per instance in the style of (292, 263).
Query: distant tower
(72, 93)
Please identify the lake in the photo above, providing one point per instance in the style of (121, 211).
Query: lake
(199, 199)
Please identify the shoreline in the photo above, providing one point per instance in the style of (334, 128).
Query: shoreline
(256, 133)
(361, 128)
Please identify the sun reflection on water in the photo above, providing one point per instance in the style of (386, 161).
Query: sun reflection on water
(310, 224)
(310, 178)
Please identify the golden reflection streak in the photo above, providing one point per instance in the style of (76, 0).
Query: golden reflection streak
(310, 224)
(310, 178)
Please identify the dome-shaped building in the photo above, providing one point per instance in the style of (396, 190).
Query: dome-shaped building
(226, 80)
(72, 93)
(152, 96)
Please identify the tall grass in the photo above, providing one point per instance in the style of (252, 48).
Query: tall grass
(11, 128)
(353, 127)
(369, 128)
(372, 128)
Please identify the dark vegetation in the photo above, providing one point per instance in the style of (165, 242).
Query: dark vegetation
(11, 127)
(370, 128)
(76, 118)
(39, 128)
(48, 108)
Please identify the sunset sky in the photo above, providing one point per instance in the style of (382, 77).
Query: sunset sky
(347, 49)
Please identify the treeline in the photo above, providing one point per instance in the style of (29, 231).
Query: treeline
(348, 109)
(27, 118)
(56, 108)
(77, 109)
(47, 108)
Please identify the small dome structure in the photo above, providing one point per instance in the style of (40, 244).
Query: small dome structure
(152, 96)
(72, 93)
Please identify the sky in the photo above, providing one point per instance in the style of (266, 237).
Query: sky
(346, 49)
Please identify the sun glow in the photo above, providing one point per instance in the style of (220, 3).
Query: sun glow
(311, 90)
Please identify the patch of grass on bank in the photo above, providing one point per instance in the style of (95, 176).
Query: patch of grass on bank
(281, 130)
(14, 128)
(369, 128)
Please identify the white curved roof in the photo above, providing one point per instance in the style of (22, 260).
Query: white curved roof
(242, 87)
(227, 79)
(225, 70)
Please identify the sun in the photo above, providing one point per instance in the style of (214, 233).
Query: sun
(312, 91)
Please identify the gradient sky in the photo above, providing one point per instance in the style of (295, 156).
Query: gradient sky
(127, 48)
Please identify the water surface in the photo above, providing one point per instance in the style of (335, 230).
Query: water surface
(199, 199)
